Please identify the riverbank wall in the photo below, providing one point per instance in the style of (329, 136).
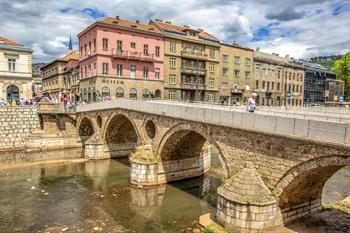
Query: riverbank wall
(16, 124)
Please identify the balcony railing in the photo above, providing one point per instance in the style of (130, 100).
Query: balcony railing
(132, 55)
(194, 54)
(193, 70)
(193, 86)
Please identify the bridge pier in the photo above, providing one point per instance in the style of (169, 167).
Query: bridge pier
(245, 202)
(94, 147)
(149, 172)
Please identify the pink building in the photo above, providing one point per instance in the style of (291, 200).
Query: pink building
(121, 59)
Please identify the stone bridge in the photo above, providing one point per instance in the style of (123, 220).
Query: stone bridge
(274, 167)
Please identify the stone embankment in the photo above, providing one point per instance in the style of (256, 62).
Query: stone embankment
(16, 123)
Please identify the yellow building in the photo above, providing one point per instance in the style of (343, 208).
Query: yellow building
(191, 63)
(277, 79)
(236, 74)
(53, 77)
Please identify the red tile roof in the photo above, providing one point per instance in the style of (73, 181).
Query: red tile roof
(9, 42)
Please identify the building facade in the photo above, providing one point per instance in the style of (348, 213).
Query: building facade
(320, 85)
(236, 74)
(277, 79)
(53, 77)
(121, 59)
(37, 89)
(15, 71)
(191, 63)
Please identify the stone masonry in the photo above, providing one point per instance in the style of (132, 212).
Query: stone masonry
(16, 123)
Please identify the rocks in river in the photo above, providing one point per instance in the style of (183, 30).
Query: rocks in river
(32, 188)
(64, 229)
(97, 229)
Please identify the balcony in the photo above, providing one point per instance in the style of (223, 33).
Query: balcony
(193, 70)
(193, 54)
(192, 86)
(132, 55)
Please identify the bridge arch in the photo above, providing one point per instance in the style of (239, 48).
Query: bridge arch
(85, 128)
(299, 191)
(120, 134)
(185, 142)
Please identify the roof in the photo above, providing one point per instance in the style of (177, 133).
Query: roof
(71, 56)
(165, 25)
(6, 41)
(125, 24)
(237, 46)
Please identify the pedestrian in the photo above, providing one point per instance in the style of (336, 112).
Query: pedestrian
(251, 105)
(22, 102)
(14, 104)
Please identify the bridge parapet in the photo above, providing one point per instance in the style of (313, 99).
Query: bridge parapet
(314, 129)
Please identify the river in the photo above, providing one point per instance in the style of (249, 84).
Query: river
(96, 196)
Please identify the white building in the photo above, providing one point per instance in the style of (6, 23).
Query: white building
(15, 71)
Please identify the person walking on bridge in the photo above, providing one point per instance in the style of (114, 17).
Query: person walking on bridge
(251, 105)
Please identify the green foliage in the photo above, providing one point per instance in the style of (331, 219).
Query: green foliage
(249, 201)
(326, 206)
(215, 228)
(209, 229)
(342, 69)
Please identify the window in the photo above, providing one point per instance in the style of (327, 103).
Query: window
(237, 60)
(120, 92)
(157, 51)
(272, 85)
(212, 53)
(224, 58)
(257, 84)
(145, 94)
(11, 64)
(247, 74)
(279, 74)
(172, 62)
(89, 47)
(247, 61)
(133, 71)
(85, 50)
(133, 45)
(105, 44)
(133, 94)
(211, 82)
(172, 95)
(224, 71)
(105, 91)
(211, 98)
(145, 49)
(172, 46)
(172, 79)
(81, 51)
(145, 72)
(237, 72)
(278, 86)
(246, 87)
(301, 89)
(119, 45)
(94, 43)
(157, 73)
(211, 67)
(263, 85)
(119, 70)
(104, 68)
(268, 85)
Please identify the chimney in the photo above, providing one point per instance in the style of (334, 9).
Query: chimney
(117, 17)
(137, 21)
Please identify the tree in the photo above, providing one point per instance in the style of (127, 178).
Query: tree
(342, 70)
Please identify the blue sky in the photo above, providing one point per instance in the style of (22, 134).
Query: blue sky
(300, 28)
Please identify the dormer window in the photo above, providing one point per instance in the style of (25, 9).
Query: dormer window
(134, 26)
(192, 33)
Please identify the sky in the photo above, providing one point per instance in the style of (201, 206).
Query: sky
(299, 28)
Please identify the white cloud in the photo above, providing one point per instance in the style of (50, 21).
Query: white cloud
(309, 30)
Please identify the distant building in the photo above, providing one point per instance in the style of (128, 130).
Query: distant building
(334, 91)
(121, 59)
(54, 77)
(277, 79)
(236, 74)
(37, 90)
(15, 71)
(317, 78)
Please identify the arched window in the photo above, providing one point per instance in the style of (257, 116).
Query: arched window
(105, 92)
(89, 94)
(133, 94)
(157, 94)
(12, 93)
(120, 92)
(145, 94)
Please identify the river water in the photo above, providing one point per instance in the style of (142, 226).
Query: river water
(96, 196)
